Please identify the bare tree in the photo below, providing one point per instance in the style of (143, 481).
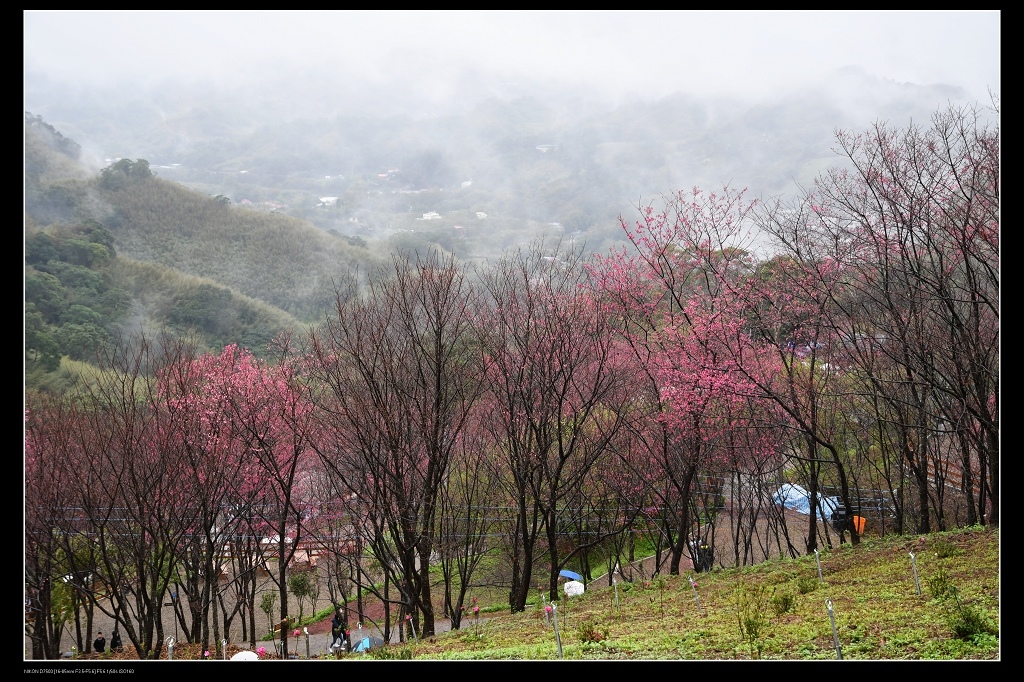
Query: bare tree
(550, 369)
(399, 383)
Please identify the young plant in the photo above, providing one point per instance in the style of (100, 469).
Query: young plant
(588, 632)
(783, 603)
(752, 604)
(966, 621)
(940, 586)
(267, 606)
(807, 584)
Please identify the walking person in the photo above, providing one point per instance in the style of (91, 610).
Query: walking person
(337, 630)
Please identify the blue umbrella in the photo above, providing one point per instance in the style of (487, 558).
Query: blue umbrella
(368, 643)
(571, 575)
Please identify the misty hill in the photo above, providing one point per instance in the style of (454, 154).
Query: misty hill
(121, 251)
(233, 213)
(274, 258)
(560, 159)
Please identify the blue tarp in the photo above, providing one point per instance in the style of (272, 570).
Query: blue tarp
(799, 500)
(570, 575)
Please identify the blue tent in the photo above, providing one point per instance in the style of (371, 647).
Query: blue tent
(570, 575)
(799, 500)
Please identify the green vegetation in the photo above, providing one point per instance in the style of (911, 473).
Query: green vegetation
(807, 584)
(759, 612)
(752, 604)
(267, 607)
(184, 264)
(302, 584)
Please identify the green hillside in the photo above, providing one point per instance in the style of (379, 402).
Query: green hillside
(776, 610)
(123, 252)
(282, 261)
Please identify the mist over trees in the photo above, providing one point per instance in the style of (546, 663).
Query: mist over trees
(501, 418)
(564, 161)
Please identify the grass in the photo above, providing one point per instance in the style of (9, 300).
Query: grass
(315, 617)
(774, 611)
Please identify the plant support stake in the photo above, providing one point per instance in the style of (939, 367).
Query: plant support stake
(917, 582)
(835, 634)
(818, 561)
(696, 597)
(224, 649)
(558, 639)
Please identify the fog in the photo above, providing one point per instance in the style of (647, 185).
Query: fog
(645, 54)
(290, 106)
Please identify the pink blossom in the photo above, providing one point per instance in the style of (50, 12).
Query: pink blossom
(261, 651)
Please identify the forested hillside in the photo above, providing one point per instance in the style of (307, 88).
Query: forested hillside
(274, 258)
(123, 253)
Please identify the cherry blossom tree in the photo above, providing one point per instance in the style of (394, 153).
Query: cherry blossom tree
(724, 361)
(910, 226)
(53, 596)
(469, 516)
(125, 533)
(669, 297)
(273, 419)
(199, 395)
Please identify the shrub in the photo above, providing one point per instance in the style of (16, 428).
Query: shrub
(967, 622)
(944, 548)
(588, 632)
(387, 653)
(783, 603)
(806, 584)
(940, 586)
(752, 615)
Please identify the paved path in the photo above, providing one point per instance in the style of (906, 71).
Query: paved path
(318, 642)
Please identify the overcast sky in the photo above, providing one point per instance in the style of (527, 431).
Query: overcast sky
(652, 52)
